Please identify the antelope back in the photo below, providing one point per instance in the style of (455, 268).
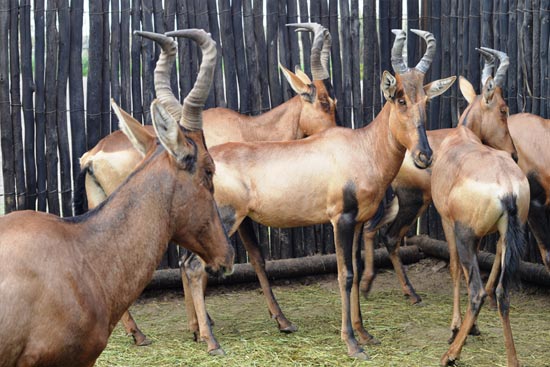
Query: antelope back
(487, 115)
(407, 97)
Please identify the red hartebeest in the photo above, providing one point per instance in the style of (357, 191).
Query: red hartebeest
(478, 190)
(486, 116)
(313, 110)
(337, 176)
(530, 134)
(65, 282)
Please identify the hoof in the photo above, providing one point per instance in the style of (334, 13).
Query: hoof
(474, 330)
(448, 360)
(361, 355)
(289, 329)
(419, 303)
(369, 341)
(143, 342)
(216, 352)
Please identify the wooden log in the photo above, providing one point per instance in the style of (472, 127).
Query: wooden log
(527, 48)
(292, 17)
(229, 57)
(305, 36)
(76, 87)
(355, 64)
(283, 269)
(147, 61)
(255, 96)
(240, 58)
(369, 78)
(435, 68)
(445, 118)
(6, 128)
(413, 22)
(486, 24)
(512, 49)
(51, 109)
(105, 74)
(170, 10)
(261, 50)
(275, 89)
(536, 56)
(15, 94)
(125, 76)
(186, 76)
(346, 63)
(529, 272)
(116, 89)
(201, 22)
(94, 88)
(214, 29)
(40, 116)
(137, 108)
(64, 24)
(284, 48)
(336, 61)
(544, 58)
(453, 30)
(28, 105)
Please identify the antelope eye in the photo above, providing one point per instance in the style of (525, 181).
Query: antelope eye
(402, 102)
(504, 111)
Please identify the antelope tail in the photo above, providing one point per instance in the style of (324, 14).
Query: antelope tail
(80, 201)
(514, 243)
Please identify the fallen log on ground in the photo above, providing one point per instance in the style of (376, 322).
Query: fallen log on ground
(284, 268)
(529, 272)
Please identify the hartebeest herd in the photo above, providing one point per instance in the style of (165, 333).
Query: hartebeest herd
(291, 166)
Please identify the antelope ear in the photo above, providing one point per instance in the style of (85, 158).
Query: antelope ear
(438, 87)
(172, 138)
(141, 139)
(388, 85)
(301, 75)
(306, 91)
(489, 89)
(467, 89)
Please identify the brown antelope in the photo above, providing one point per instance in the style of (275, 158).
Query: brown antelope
(531, 134)
(313, 110)
(345, 173)
(479, 190)
(337, 176)
(486, 116)
(66, 282)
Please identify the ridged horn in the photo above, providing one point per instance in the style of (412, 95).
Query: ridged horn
(397, 62)
(193, 104)
(500, 74)
(488, 64)
(320, 48)
(163, 89)
(424, 64)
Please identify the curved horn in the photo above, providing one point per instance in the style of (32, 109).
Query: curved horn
(320, 48)
(193, 104)
(397, 62)
(503, 66)
(166, 60)
(488, 64)
(424, 64)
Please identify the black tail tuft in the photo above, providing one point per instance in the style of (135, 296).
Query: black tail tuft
(514, 244)
(80, 201)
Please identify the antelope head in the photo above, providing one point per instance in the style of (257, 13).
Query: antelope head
(408, 97)
(487, 113)
(186, 145)
(319, 106)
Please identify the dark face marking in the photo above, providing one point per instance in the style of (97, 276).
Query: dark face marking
(330, 91)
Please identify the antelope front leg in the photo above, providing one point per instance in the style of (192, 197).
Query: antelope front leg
(356, 318)
(454, 268)
(343, 239)
(194, 284)
(246, 232)
(132, 329)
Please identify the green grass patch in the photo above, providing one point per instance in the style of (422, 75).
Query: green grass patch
(410, 335)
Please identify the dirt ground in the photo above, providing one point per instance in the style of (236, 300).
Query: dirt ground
(409, 335)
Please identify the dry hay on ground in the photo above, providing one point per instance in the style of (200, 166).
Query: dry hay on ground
(410, 335)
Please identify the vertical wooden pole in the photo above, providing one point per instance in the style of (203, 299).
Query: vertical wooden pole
(228, 53)
(40, 117)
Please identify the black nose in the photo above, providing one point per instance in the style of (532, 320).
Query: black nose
(425, 158)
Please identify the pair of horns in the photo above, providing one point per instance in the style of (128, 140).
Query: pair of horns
(489, 55)
(320, 48)
(398, 62)
(190, 116)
